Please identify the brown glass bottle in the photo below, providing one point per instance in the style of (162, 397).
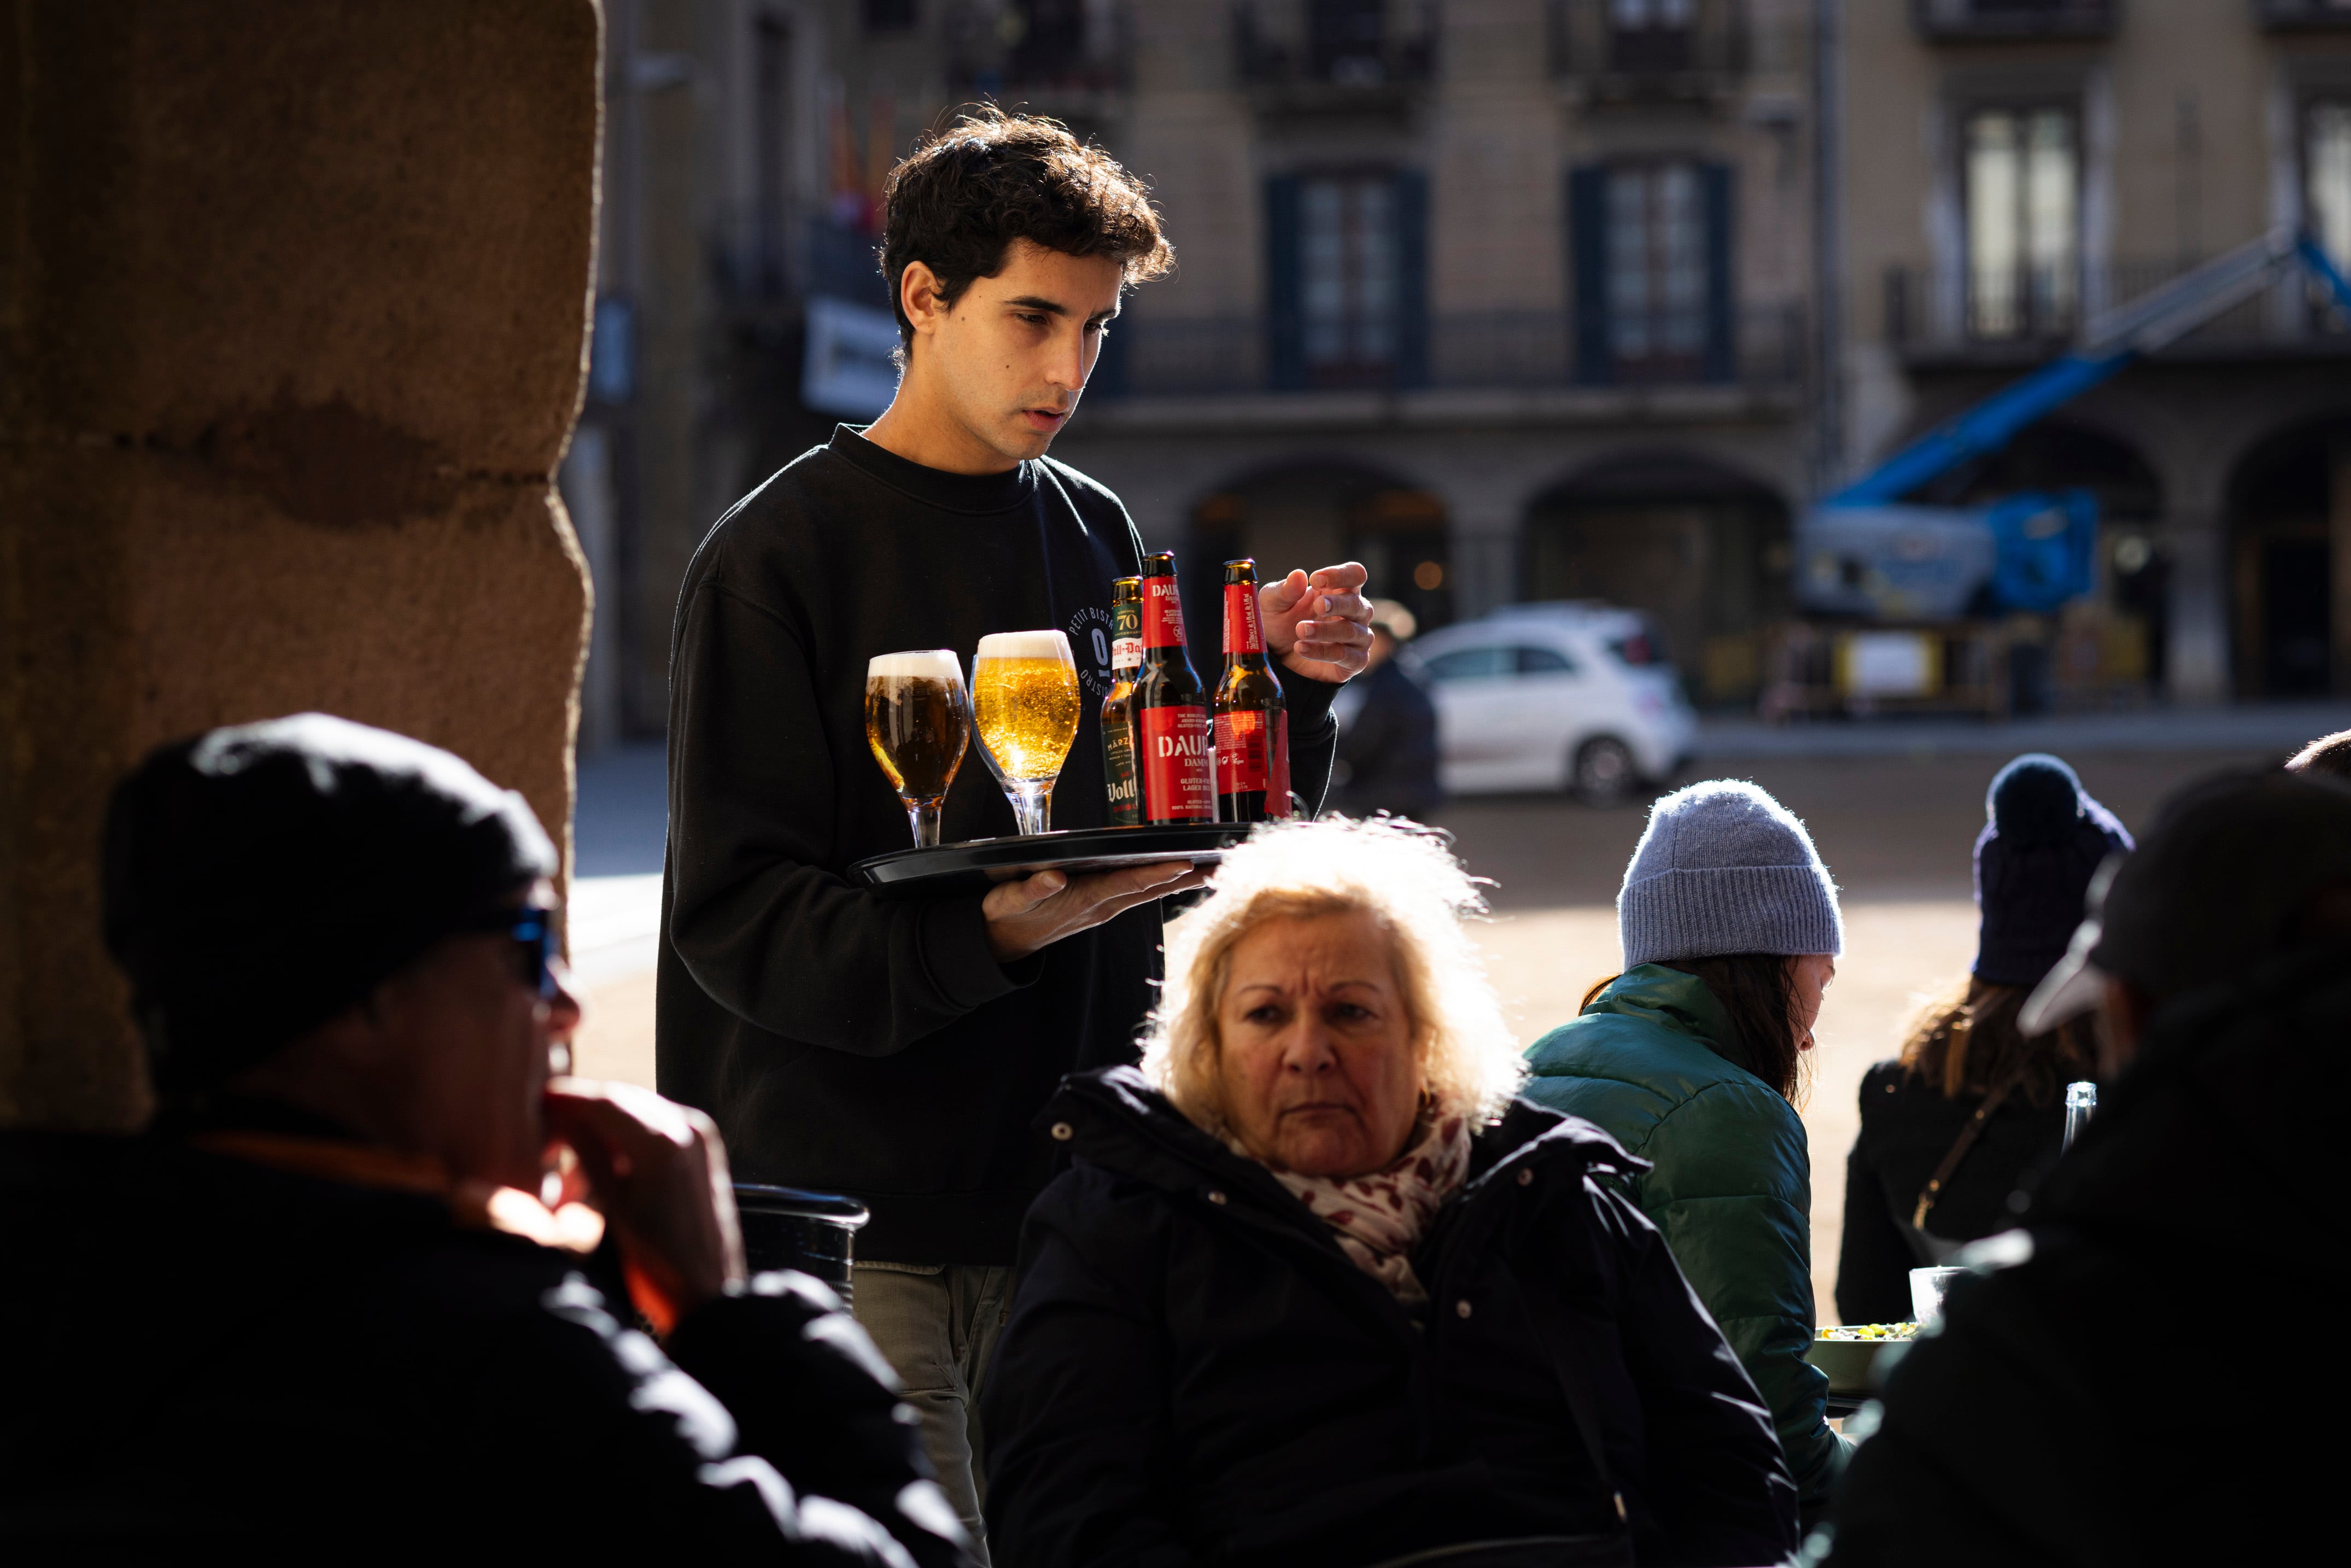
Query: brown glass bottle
(1252, 721)
(1119, 775)
(1171, 710)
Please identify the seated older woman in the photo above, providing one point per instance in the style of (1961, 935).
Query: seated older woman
(1317, 1289)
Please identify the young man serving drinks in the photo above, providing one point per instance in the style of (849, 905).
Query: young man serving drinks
(897, 1049)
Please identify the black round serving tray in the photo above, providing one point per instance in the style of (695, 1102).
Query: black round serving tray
(980, 865)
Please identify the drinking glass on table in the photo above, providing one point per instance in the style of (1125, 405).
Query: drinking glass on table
(918, 724)
(1024, 689)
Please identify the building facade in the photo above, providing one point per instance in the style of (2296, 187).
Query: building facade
(2010, 171)
(1527, 299)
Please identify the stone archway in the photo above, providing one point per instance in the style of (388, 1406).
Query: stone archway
(1703, 549)
(2289, 511)
(1309, 514)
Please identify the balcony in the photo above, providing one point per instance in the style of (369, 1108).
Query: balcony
(1689, 50)
(1517, 350)
(1992, 21)
(1333, 53)
(1932, 314)
(2302, 15)
(1065, 51)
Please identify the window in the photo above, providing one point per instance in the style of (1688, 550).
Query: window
(1656, 268)
(1473, 664)
(1346, 278)
(1649, 34)
(1348, 242)
(1544, 662)
(887, 16)
(2022, 180)
(1344, 39)
(2327, 176)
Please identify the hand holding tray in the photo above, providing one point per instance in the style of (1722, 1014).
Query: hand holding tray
(980, 865)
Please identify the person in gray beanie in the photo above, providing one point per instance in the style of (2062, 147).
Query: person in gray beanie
(1692, 1058)
(1958, 1130)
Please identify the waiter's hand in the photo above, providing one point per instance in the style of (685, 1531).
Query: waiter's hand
(1039, 911)
(1320, 626)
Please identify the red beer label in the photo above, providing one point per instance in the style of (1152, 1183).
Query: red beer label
(1252, 754)
(1243, 634)
(1163, 614)
(1175, 765)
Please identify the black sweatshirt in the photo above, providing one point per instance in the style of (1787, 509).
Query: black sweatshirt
(844, 1041)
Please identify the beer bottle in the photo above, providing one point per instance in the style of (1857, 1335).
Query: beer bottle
(1252, 722)
(1171, 710)
(1118, 708)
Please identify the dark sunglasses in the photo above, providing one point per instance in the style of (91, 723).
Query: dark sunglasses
(532, 930)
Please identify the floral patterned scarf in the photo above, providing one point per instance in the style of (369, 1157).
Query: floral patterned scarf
(1379, 1219)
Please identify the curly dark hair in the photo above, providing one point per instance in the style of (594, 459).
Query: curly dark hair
(959, 200)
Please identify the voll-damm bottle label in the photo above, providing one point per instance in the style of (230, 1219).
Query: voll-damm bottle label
(1120, 777)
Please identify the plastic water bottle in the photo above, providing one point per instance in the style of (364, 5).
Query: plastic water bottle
(2081, 1101)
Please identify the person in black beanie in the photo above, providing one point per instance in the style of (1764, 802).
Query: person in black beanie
(335, 1301)
(1957, 1129)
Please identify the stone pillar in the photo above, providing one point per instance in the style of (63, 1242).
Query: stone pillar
(2196, 657)
(292, 307)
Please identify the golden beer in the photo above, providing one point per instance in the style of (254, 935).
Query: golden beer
(1024, 689)
(918, 725)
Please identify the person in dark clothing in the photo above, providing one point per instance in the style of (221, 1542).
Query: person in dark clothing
(1387, 746)
(319, 1306)
(1321, 1290)
(896, 1049)
(1970, 1091)
(2064, 1412)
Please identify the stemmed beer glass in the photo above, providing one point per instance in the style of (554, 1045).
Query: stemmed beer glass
(918, 724)
(1024, 687)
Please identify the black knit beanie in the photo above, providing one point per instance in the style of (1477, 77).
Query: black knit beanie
(262, 878)
(2043, 838)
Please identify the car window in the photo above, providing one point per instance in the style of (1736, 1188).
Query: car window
(1641, 649)
(1471, 664)
(1544, 662)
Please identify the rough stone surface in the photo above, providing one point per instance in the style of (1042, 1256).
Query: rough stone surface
(293, 306)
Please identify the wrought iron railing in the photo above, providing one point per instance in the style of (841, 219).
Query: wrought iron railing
(1499, 349)
(1938, 309)
(1965, 21)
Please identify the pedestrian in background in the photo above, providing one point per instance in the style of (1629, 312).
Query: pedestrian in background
(1692, 1058)
(1954, 1129)
(1316, 1289)
(2116, 1387)
(1387, 752)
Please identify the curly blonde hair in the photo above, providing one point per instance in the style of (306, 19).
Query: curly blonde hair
(1403, 876)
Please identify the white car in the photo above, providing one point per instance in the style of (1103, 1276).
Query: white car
(1573, 696)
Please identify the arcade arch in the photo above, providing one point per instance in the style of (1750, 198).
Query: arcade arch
(1702, 548)
(1307, 514)
(2289, 510)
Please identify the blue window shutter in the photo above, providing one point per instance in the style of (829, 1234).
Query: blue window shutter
(1412, 278)
(1587, 242)
(1285, 290)
(1721, 307)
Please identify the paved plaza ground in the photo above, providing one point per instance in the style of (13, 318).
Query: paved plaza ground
(1892, 808)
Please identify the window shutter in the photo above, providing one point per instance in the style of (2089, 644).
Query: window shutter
(1721, 293)
(1587, 241)
(1412, 278)
(1285, 301)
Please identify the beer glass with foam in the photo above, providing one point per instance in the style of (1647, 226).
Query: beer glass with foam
(1024, 689)
(918, 724)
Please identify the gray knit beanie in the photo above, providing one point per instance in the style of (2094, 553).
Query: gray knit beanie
(1724, 868)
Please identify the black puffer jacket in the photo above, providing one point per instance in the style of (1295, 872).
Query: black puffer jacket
(1907, 1125)
(2124, 1389)
(208, 1355)
(1194, 1372)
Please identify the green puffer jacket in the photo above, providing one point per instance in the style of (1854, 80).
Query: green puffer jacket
(1654, 1061)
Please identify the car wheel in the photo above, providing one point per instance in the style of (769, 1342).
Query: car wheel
(1603, 773)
